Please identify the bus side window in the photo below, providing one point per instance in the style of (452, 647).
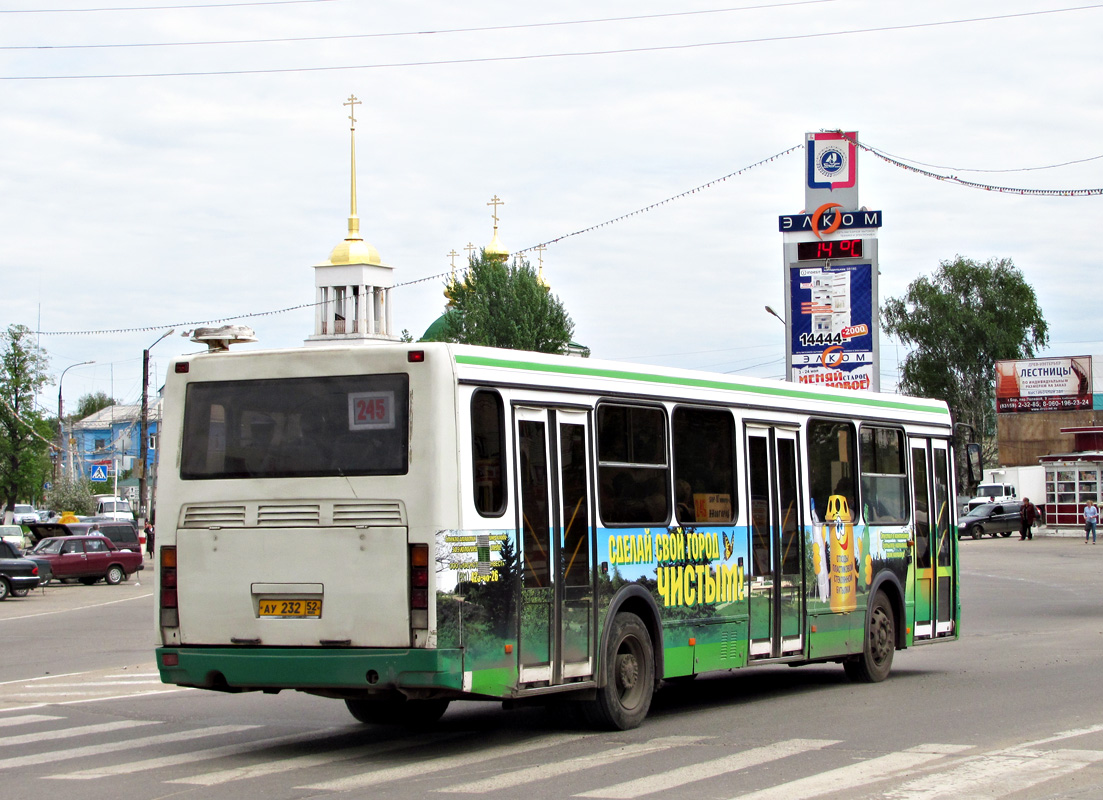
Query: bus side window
(884, 476)
(832, 465)
(704, 466)
(633, 471)
(487, 439)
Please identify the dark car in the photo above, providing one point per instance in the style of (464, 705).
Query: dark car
(991, 518)
(8, 550)
(17, 575)
(88, 558)
(123, 534)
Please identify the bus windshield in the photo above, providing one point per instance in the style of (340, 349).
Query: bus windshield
(296, 427)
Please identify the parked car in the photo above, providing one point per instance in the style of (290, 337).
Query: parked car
(994, 519)
(123, 534)
(24, 514)
(88, 558)
(14, 535)
(7, 550)
(17, 575)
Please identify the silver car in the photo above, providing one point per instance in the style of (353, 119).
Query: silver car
(24, 514)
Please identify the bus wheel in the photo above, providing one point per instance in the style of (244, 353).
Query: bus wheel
(395, 709)
(629, 667)
(875, 661)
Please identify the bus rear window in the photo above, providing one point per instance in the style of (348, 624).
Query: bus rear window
(296, 427)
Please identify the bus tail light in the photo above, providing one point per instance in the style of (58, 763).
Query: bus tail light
(170, 612)
(419, 586)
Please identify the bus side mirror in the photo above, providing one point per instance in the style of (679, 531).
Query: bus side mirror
(974, 463)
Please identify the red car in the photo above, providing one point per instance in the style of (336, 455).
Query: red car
(88, 558)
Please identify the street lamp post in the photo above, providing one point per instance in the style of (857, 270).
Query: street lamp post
(778, 317)
(61, 411)
(144, 431)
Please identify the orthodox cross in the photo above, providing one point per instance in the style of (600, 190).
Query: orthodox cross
(496, 201)
(352, 103)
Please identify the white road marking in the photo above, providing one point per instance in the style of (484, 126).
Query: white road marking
(541, 772)
(120, 681)
(996, 774)
(421, 768)
(272, 767)
(69, 733)
(113, 747)
(208, 754)
(854, 776)
(25, 719)
(692, 773)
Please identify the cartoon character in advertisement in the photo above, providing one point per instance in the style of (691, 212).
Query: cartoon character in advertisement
(842, 554)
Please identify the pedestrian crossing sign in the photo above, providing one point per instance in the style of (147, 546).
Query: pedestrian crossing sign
(99, 473)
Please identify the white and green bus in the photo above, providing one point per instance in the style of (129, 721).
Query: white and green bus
(401, 525)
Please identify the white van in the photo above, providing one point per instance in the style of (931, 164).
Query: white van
(993, 493)
(115, 508)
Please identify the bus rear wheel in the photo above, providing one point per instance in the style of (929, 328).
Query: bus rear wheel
(629, 672)
(396, 709)
(875, 661)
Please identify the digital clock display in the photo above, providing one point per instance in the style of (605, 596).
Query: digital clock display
(818, 251)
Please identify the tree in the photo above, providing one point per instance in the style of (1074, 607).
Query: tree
(72, 494)
(959, 323)
(89, 404)
(498, 305)
(24, 451)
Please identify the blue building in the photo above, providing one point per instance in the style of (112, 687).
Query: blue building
(112, 436)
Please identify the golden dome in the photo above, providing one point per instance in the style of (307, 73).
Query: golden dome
(354, 250)
(496, 249)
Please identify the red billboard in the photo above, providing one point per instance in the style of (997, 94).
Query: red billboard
(1044, 384)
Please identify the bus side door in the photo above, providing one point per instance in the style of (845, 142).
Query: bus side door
(935, 545)
(552, 459)
(776, 562)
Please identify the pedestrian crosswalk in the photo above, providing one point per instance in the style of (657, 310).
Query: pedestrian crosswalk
(68, 751)
(82, 687)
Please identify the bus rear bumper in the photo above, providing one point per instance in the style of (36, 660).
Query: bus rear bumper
(322, 671)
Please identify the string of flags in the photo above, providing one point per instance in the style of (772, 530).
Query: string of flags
(679, 196)
(163, 325)
(872, 150)
(973, 184)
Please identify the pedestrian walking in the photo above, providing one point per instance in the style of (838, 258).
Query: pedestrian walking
(1027, 514)
(149, 540)
(1091, 519)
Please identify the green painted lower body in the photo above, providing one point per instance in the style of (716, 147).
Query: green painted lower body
(244, 669)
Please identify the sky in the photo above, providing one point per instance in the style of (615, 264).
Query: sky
(179, 163)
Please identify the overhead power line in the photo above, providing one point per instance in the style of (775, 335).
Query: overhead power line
(176, 7)
(438, 32)
(541, 56)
